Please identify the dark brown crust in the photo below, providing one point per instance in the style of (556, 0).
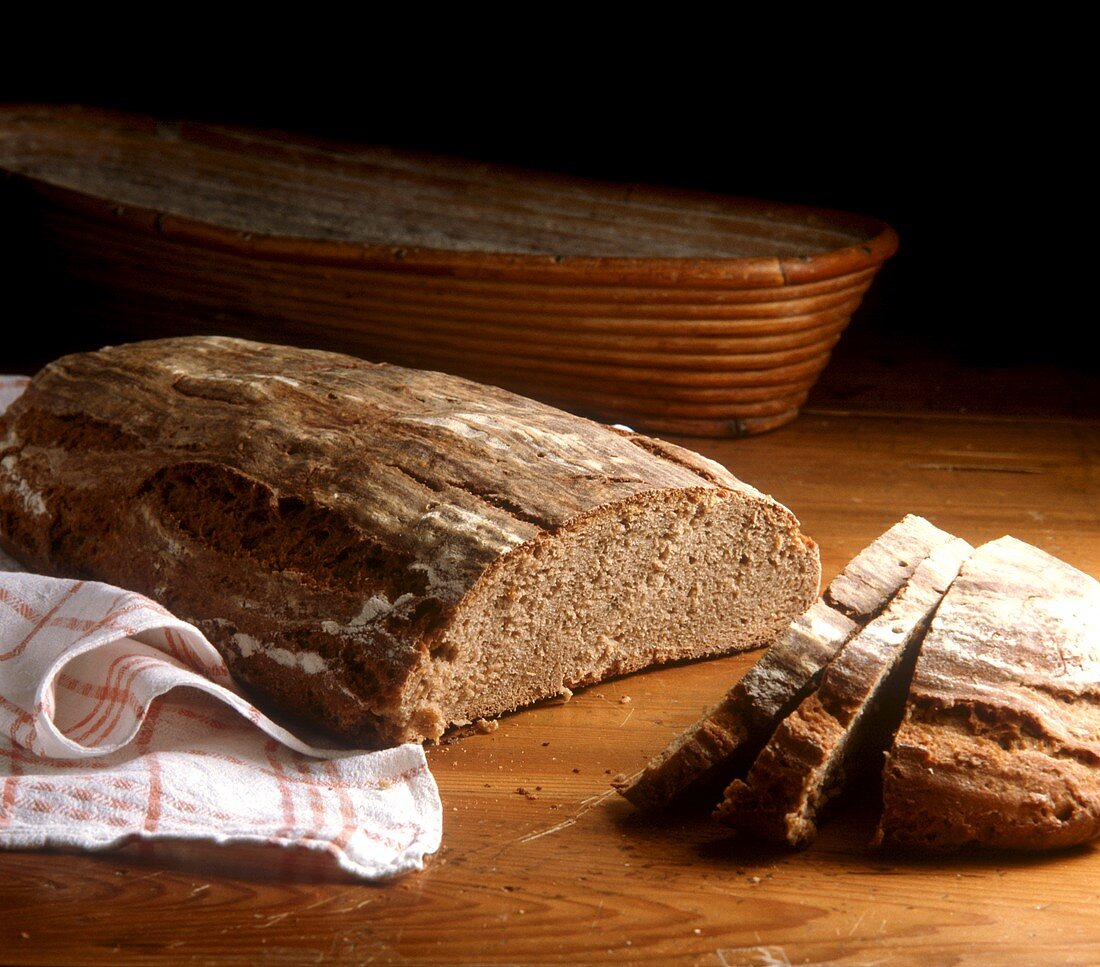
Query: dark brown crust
(807, 759)
(701, 761)
(1000, 745)
(257, 490)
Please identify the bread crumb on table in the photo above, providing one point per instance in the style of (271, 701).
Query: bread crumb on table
(486, 725)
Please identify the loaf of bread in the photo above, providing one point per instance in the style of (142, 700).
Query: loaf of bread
(852, 713)
(700, 762)
(1000, 745)
(385, 552)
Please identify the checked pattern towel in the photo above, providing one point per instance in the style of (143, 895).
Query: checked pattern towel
(119, 723)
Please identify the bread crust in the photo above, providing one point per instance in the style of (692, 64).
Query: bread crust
(1000, 745)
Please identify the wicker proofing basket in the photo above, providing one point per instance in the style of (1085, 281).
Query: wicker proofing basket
(674, 312)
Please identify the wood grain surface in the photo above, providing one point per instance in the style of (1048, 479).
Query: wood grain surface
(567, 872)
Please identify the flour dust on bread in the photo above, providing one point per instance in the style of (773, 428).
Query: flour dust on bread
(703, 759)
(1000, 745)
(381, 551)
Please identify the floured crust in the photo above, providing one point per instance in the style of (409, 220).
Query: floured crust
(322, 518)
(1000, 745)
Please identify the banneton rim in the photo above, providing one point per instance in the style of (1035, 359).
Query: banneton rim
(670, 310)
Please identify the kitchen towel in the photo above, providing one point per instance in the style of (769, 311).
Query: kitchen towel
(120, 723)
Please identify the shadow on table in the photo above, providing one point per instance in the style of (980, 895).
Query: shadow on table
(244, 861)
(844, 839)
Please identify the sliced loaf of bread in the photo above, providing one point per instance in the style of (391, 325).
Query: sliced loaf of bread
(701, 761)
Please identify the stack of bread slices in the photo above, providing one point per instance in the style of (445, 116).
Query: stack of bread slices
(977, 672)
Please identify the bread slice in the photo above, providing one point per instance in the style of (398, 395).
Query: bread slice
(383, 551)
(700, 761)
(855, 706)
(1000, 745)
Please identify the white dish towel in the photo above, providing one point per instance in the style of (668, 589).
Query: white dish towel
(119, 723)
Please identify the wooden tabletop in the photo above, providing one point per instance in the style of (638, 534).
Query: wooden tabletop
(567, 872)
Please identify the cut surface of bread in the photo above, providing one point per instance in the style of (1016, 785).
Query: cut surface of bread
(385, 552)
(701, 760)
(1000, 745)
(854, 708)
